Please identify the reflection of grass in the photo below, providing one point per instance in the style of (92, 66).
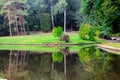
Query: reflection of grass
(38, 39)
(40, 48)
(30, 48)
(76, 48)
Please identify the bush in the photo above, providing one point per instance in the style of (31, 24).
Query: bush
(116, 35)
(86, 32)
(36, 28)
(45, 22)
(97, 33)
(57, 32)
(105, 32)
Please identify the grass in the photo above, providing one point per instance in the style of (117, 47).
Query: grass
(49, 38)
(39, 39)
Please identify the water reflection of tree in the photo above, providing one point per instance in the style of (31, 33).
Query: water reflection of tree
(58, 75)
(94, 63)
(39, 66)
(60, 56)
(16, 65)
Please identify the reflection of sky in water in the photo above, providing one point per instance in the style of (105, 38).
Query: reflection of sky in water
(88, 63)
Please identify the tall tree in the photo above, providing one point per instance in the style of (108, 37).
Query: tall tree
(7, 8)
(14, 12)
(51, 10)
(100, 12)
(60, 7)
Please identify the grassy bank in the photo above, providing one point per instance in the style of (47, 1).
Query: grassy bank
(108, 43)
(39, 39)
(49, 38)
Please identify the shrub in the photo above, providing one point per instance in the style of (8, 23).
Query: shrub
(97, 33)
(116, 35)
(36, 28)
(105, 32)
(57, 32)
(45, 22)
(86, 32)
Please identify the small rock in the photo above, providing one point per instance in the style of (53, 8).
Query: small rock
(65, 38)
(118, 39)
(113, 38)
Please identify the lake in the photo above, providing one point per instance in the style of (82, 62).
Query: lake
(58, 63)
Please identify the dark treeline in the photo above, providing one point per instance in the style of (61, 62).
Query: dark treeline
(40, 7)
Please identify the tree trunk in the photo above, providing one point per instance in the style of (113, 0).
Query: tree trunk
(9, 68)
(24, 57)
(9, 19)
(16, 23)
(16, 66)
(52, 17)
(65, 21)
(65, 70)
(23, 24)
(23, 30)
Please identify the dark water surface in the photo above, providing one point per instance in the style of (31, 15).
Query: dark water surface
(89, 63)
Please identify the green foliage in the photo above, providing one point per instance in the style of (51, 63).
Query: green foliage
(86, 32)
(14, 12)
(27, 29)
(36, 28)
(100, 12)
(87, 54)
(116, 35)
(57, 57)
(94, 62)
(57, 31)
(37, 8)
(105, 31)
(45, 22)
(60, 7)
(97, 33)
(86, 5)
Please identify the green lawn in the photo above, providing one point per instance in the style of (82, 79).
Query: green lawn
(49, 38)
(38, 39)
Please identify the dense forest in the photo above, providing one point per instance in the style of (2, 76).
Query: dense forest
(19, 17)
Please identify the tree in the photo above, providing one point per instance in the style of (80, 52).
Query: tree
(14, 12)
(6, 8)
(56, 10)
(37, 8)
(60, 7)
(100, 12)
(52, 17)
(74, 18)
(45, 22)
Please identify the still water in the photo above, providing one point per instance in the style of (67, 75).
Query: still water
(87, 63)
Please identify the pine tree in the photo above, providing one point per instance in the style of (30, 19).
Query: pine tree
(14, 12)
